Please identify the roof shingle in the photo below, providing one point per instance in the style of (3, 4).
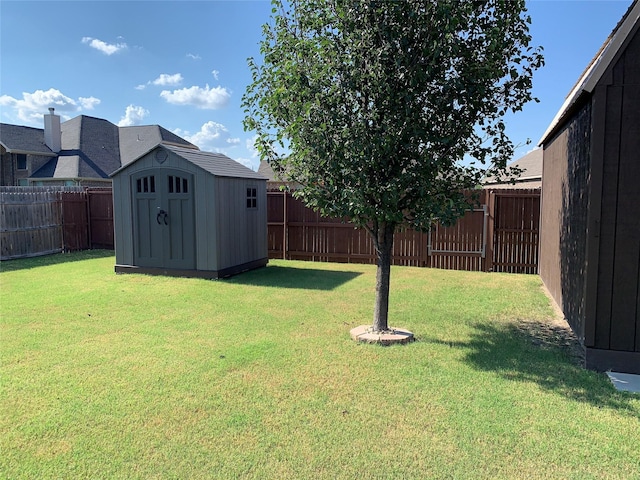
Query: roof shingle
(20, 139)
(215, 163)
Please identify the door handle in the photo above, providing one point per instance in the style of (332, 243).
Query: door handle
(164, 216)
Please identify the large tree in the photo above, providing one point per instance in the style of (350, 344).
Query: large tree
(387, 112)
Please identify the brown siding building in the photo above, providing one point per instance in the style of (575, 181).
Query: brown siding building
(590, 219)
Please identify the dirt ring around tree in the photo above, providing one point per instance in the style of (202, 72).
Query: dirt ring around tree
(392, 336)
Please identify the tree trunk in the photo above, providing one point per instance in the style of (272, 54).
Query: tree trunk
(384, 249)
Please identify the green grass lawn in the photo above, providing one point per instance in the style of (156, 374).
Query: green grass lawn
(133, 376)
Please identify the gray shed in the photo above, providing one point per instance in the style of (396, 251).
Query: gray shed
(179, 211)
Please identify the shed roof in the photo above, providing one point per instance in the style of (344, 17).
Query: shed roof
(20, 139)
(596, 68)
(217, 164)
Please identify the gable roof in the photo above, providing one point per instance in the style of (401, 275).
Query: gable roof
(217, 164)
(90, 147)
(89, 150)
(531, 166)
(265, 170)
(596, 68)
(274, 181)
(20, 139)
(69, 166)
(137, 140)
(96, 141)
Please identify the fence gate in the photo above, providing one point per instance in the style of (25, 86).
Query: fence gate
(30, 222)
(75, 221)
(100, 217)
(516, 230)
(462, 246)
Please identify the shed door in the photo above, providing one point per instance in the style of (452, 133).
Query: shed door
(164, 229)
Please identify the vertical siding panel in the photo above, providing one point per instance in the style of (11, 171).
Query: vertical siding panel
(596, 231)
(627, 242)
(121, 217)
(213, 224)
(608, 217)
(200, 211)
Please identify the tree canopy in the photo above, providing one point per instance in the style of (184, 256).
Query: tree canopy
(389, 112)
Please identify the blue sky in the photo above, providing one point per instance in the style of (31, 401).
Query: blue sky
(183, 64)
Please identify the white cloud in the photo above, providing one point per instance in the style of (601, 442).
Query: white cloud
(215, 73)
(194, 56)
(215, 137)
(104, 47)
(32, 106)
(250, 144)
(167, 80)
(204, 98)
(133, 116)
(88, 103)
(255, 155)
(212, 137)
(247, 163)
(164, 80)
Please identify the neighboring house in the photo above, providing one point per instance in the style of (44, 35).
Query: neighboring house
(530, 175)
(590, 218)
(273, 181)
(81, 151)
(183, 212)
(22, 152)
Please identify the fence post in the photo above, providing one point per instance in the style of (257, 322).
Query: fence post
(490, 200)
(285, 220)
(86, 195)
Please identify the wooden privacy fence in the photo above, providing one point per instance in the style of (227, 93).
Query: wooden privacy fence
(501, 235)
(43, 220)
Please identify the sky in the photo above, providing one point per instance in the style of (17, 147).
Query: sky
(183, 64)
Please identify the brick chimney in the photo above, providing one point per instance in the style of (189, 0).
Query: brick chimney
(52, 131)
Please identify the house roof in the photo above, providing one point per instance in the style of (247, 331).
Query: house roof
(70, 164)
(266, 171)
(89, 150)
(90, 147)
(275, 182)
(531, 175)
(217, 164)
(97, 143)
(138, 140)
(596, 68)
(20, 139)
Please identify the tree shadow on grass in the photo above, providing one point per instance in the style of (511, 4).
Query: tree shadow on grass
(52, 259)
(543, 353)
(291, 277)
